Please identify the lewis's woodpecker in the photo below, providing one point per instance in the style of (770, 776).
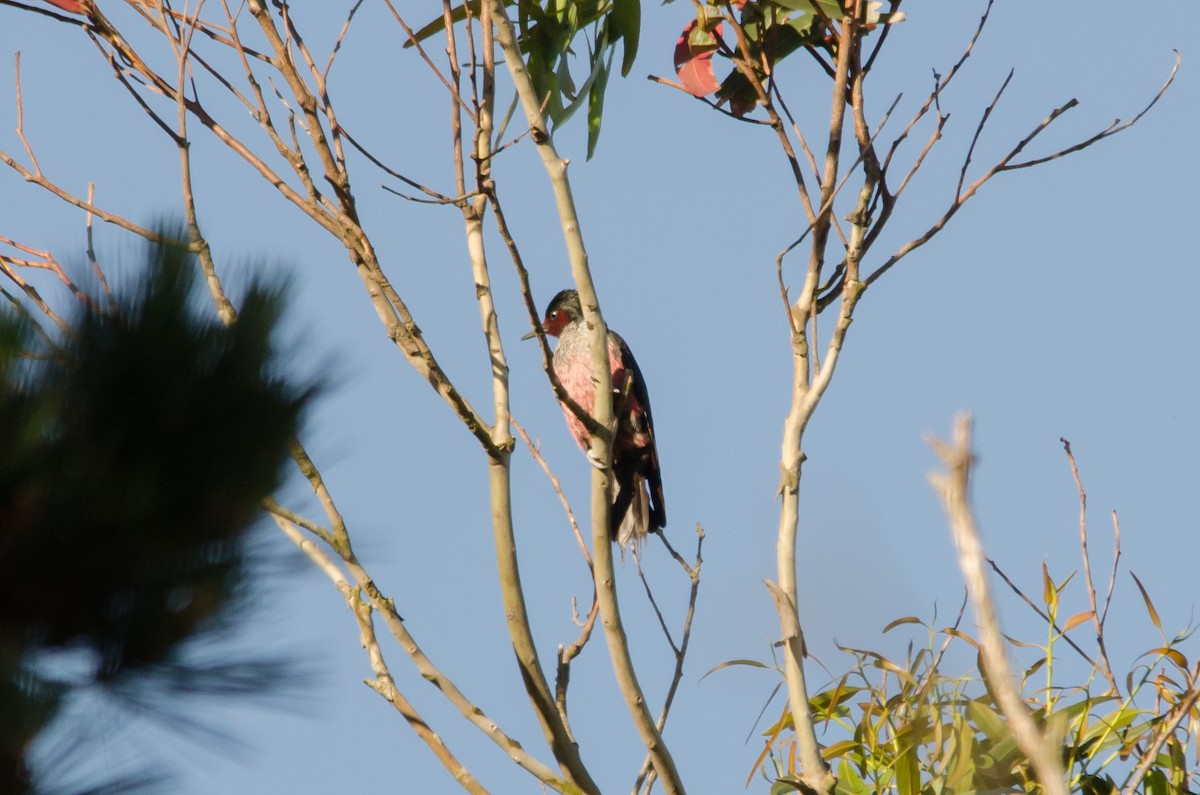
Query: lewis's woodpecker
(638, 507)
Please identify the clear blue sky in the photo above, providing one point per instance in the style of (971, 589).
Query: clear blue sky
(1060, 302)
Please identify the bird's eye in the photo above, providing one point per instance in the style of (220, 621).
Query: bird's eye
(554, 315)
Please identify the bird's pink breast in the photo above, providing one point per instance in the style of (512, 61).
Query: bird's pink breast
(573, 366)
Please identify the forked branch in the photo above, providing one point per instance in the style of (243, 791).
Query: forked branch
(601, 445)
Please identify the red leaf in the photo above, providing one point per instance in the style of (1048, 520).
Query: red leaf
(70, 6)
(694, 65)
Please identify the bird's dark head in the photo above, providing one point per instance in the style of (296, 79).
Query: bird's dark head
(564, 308)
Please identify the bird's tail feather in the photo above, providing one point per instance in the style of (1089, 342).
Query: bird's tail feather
(635, 523)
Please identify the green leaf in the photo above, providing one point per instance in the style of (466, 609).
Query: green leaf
(507, 118)
(832, 8)
(838, 749)
(1108, 725)
(783, 786)
(701, 40)
(1156, 783)
(824, 703)
(804, 24)
(549, 34)
(849, 781)
(596, 103)
(962, 772)
(990, 722)
(908, 772)
(1097, 785)
(801, 6)
(566, 85)
(626, 17)
(709, 17)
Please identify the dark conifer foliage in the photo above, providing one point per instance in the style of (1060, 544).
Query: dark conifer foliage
(135, 452)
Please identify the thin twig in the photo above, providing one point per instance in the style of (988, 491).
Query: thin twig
(1005, 164)
(556, 484)
(91, 246)
(21, 117)
(646, 775)
(1088, 583)
(1112, 578)
(566, 654)
(337, 44)
(1114, 128)
(414, 42)
(983, 120)
(1041, 613)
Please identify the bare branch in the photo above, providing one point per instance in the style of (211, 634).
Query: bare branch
(1005, 164)
(1114, 128)
(8, 268)
(278, 510)
(21, 116)
(983, 120)
(601, 444)
(549, 711)
(562, 675)
(952, 489)
(383, 684)
(91, 248)
(566, 654)
(337, 45)
(35, 322)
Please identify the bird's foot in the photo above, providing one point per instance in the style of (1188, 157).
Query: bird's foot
(598, 463)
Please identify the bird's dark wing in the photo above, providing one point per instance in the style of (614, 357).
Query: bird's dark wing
(645, 455)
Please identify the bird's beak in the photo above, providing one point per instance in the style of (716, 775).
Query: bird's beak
(530, 335)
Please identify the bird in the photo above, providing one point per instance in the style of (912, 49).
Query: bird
(638, 508)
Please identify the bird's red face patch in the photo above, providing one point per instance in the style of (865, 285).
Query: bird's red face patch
(556, 320)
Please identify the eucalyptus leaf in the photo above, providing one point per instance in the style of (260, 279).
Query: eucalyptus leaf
(626, 19)
(596, 102)
(783, 786)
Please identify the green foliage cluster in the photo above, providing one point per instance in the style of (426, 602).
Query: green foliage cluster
(912, 728)
(768, 32)
(135, 452)
(551, 35)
